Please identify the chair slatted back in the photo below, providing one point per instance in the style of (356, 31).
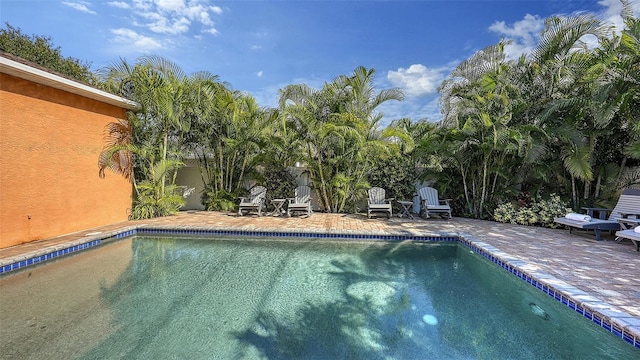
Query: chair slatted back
(303, 194)
(257, 194)
(377, 195)
(629, 203)
(429, 195)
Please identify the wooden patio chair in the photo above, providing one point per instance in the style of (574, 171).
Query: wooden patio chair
(431, 204)
(378, 203)
(255, 201)
(301, 201)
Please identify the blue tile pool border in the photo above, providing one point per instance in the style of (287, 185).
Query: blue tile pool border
(54, 254)
(600, 319)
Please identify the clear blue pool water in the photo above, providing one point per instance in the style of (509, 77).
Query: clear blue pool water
(196, 298)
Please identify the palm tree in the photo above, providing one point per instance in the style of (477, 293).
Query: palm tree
(164, 93)
(617, 93)
(337, 127)
(570, 114)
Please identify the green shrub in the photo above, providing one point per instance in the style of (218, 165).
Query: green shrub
(280, 183)
(151, 202)
(220, 200)
(540, 212)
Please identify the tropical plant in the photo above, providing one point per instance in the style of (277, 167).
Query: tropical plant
(115, 154)
(229, 138)
(154, 197)
(336, 126)
(560, 118)
(218, 200)
(157, 131)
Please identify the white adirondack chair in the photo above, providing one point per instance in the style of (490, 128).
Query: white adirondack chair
(431, 204)
(378, 203)
(255, 201)
(301, 202)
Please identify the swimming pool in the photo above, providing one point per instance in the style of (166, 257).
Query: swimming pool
(227, 298)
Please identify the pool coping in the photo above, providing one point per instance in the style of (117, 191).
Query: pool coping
(617, 322)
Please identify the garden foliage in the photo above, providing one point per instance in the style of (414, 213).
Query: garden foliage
(540, 212)
(562, 120)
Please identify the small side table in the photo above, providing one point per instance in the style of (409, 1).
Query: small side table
(277, 204)
(406, 208)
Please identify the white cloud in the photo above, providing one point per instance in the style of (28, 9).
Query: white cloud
(256, 47)
(133, 40)
(119, 4)
(259, 74)
(176, 16)
(80, 6)
(524, 35)
(165, 26)
(170, 5)
(611, 12)
(417, 80)
(216, 9)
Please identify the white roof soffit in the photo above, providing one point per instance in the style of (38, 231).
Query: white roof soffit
(38, 76)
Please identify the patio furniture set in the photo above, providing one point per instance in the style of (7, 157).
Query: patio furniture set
(376, 202)
(624, 218)
(301, 202)
(430, 204)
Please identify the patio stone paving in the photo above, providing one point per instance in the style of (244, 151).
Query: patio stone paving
(605, 270)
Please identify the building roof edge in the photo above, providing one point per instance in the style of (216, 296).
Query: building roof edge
(24, 71)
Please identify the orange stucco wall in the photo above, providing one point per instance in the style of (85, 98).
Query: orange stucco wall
(50, 141)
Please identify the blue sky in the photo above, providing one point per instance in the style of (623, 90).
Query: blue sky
(262, 46)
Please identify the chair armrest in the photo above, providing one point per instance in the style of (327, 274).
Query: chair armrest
(628, 216)
(446, 201)
(602, 212)
(628, 223)
(389, 199)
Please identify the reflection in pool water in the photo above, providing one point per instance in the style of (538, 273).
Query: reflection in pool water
(158, 297)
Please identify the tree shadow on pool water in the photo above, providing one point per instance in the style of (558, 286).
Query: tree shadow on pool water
(372, 320)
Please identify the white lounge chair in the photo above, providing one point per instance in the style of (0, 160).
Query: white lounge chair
(301, 201)
(628, 207)
(631, 234)
(255, 201)
(378, 203)
(431, 204)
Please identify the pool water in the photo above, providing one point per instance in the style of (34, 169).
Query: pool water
(197, 298)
